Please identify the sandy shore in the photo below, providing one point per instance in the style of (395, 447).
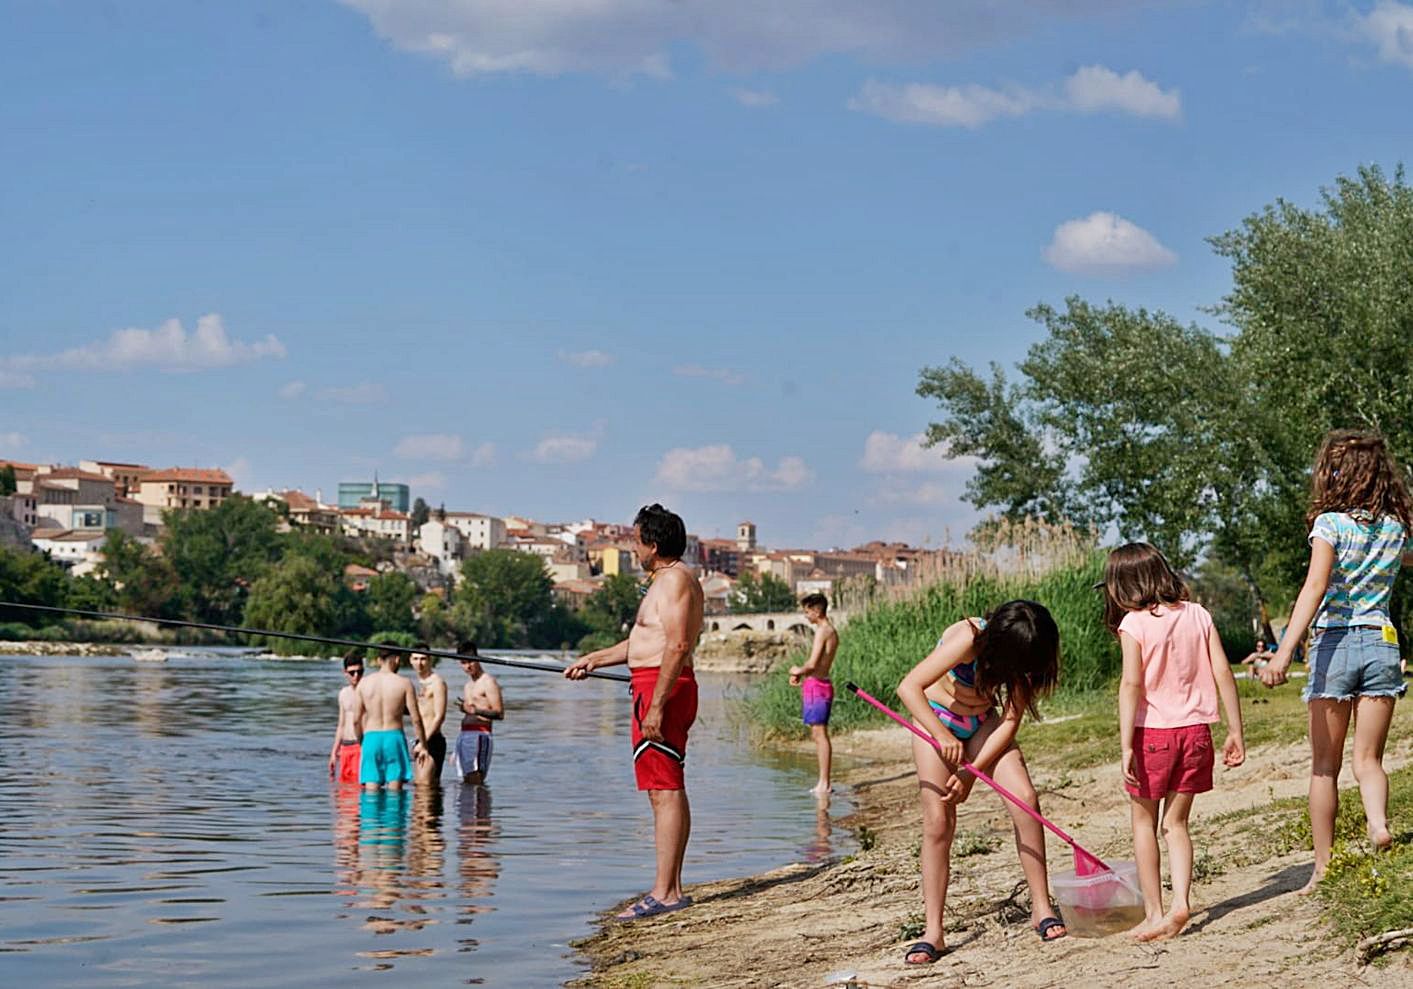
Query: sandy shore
(810, 926)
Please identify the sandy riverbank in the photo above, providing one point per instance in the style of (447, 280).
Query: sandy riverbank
(799, 925)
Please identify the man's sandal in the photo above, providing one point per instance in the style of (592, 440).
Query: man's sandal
(651, 906)
(1043, 929)
(931, 951)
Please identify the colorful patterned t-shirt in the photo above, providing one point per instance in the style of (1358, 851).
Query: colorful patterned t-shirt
(1368, 553)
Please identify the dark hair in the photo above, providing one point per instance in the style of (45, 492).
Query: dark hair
(466, 647)
(1355, 473)
(352, 658)
(1137, 578)
(815, 600)
(1018, 655)
(663, 530)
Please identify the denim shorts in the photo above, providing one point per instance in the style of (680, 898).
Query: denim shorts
(1346, 663)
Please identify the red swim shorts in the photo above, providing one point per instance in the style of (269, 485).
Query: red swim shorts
(1172, 760)
(658, 765)
(350, 753)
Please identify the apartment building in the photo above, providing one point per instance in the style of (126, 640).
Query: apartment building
(178, 488)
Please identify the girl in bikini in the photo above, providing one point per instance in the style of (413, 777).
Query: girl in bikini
(970, 694)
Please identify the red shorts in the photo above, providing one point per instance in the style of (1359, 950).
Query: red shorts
(658, 765)
(350, 753)
(1172, 760)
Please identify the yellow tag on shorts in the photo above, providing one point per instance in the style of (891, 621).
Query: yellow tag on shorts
(1391, 635)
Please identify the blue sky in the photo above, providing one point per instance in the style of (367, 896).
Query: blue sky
(558, 259)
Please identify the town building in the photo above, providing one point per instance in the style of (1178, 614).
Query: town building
(444, 543)
(379, 523)
(24, 474)
(574, 593)
(746, 537)
(608, 558)
(80, 552)
(126, 477)
(178, 488)
(721, 556)
(717, 589)
(301, 511)
(563, 570)
(479, 531)
(356, 576)
(353, 494)
(22, 508)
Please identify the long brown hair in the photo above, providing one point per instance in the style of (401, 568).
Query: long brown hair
(1355, 473)
(1137, 577)
(1018, 655)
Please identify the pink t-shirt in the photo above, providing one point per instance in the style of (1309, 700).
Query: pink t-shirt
(1178, 686)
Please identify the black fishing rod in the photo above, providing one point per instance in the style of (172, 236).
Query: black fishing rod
(298, 637)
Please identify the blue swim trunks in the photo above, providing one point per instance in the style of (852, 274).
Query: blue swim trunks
(385, 758)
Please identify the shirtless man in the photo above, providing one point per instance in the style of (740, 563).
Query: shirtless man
(431, 703)
(481, 707)
(816, 691)
(348, 736)
(658, 652)
(382, 700)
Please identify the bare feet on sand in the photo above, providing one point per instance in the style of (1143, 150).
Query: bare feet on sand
(1380, 839)
(1141, 931)
(1169, 926)
(1309, 887)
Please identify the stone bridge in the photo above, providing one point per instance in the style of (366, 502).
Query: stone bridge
(774, 621)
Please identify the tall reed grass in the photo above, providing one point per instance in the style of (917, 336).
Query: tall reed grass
(891, 629)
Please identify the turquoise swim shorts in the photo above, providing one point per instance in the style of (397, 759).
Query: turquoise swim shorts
(385, 758)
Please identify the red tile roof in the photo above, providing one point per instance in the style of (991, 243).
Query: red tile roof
(73, 473)
(374, 513)
(199, 475)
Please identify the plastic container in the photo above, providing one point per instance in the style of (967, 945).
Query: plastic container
(1102, 904)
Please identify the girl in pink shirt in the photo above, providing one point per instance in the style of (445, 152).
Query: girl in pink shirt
(1174, 671)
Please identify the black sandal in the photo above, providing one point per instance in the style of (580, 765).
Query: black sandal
(1043, 929)
(923, 948)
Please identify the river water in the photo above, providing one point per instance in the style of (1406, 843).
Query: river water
(172, 824)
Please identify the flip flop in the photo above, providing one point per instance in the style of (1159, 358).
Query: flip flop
(650, 906)
(923, 948)
(1043, 929)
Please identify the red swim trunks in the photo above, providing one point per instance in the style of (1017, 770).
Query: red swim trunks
(1172, 760)
(350, 753)
(658, 765)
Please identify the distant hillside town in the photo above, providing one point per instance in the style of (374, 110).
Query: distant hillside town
(67, 511)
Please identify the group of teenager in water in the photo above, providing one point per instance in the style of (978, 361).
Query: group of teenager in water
(971, 692)
(369, 746)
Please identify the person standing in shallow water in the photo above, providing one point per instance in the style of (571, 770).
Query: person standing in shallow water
(383, 698)
(347, 751)
(658, 652)
(431, 702)
(816, 690)
(481, 706)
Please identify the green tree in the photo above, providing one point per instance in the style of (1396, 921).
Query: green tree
(388, 602)
(90, 593)
(420, 513)
(433, 620)
(296, 595)
(614, 605)
(503, 596)
(31, 578)
(1202, 444)
(218, 553)
(142, 582)
(756, 592)
(7, 480)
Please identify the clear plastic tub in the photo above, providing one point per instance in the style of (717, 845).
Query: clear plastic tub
(1102, 904)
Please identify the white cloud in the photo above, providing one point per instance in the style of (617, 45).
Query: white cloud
(717, 468)
(724, 375)
(586, 358)
(927, 493)
(169, 348)
(366, 393)
(432, 480)
(292, 390)
(11, 443)
(1095, 89)
(563, 449)
(484, 455)
(429, 446)
(889, 453)
(1389, 26)
(1091, 89)
(755, 98)
(14, 379)
(1105, 244)
(634, 37)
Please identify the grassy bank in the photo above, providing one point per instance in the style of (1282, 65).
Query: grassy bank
(881, 644)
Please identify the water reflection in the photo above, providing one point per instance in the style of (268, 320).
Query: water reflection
(821, 849)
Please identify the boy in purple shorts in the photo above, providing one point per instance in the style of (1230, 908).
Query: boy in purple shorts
(816, 692)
